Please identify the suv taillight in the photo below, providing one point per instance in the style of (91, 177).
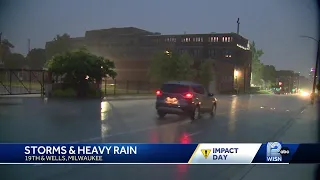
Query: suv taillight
(188, 96)
(158, 93)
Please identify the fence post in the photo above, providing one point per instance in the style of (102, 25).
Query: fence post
(105, 86)
(10, 79)
(29, 79)
(42, 85)
(114, 86)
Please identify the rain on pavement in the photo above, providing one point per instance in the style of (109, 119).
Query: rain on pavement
(245, 118)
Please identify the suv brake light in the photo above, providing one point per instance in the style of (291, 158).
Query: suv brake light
(158, 93)
(188, 95)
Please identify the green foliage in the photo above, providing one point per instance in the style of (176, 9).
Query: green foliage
(36, 58)
(60, 44)
(206, 72)
(64, 93)
(14, 61)
(257, 66)
(165, 67)
(269, 74)
(76, 65)
(5, 49)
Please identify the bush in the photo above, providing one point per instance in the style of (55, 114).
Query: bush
(64, 93)
(92, 92)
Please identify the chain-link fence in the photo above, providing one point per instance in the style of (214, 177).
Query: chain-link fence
(117, 87)
(17, 81)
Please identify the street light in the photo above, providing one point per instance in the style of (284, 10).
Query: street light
(316, 69)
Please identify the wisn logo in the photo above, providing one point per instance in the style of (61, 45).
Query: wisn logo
(275, 152)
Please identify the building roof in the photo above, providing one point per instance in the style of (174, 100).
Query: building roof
(120, 31)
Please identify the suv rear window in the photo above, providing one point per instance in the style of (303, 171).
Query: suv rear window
(175, 88)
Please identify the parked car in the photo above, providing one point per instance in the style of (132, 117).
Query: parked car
(185, 98)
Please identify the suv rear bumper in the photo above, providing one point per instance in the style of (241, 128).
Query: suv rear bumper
(174, 109)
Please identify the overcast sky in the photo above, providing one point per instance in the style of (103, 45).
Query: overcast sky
(275, 25)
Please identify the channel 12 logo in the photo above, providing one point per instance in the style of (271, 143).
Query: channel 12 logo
(275, 151)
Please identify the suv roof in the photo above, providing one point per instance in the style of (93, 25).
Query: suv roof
(182, 82)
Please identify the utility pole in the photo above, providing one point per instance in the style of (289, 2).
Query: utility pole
(1, 56)
(316, 71)
(238, 26)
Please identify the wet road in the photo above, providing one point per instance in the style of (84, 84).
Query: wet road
(247, 118)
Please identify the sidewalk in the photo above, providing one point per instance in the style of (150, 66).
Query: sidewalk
(302, 130)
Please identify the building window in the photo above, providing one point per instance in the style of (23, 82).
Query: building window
(170, 39)
(213, 39)
(212, 53)
(227, 54)
(186, 40)
(226, 39)
(196, 52)
(197, 39)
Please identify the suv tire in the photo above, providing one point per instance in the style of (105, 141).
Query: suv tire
(161, 114)
(195, 115)
(213, 111)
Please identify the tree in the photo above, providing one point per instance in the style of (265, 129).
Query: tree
(14, 61)
(60, 44)
(205, 74)
(269, 74)
(171, 66)
(257, 66)
(5, 49)
(79, 68)
(36, 58)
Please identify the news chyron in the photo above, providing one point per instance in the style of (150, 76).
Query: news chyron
(275, 151)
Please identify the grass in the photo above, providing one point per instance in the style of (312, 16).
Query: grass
(106, 89)
(18, 84)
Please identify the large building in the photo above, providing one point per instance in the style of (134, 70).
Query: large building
(132, 50)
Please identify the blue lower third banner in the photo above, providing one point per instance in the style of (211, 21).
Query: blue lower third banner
(206, 153)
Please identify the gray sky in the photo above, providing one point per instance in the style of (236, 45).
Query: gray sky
(275, 25)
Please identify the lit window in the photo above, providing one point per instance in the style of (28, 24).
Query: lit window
(227, 54)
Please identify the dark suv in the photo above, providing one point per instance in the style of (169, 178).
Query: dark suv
(186, 98)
